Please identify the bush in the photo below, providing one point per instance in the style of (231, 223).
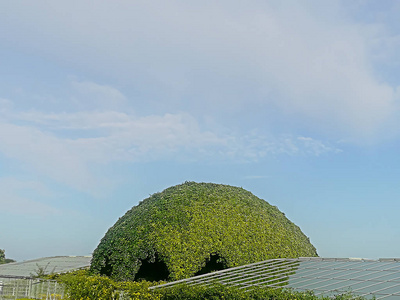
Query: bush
(195, 228)
(184, 292)
(79, 285)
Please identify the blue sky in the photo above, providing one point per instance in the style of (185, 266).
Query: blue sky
(103, 103)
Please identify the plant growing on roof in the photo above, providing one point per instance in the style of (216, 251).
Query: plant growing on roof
(194, 228)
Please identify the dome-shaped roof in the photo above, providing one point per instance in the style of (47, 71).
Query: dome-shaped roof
(193, 228)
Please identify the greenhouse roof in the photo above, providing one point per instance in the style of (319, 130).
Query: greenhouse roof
(325, 276)
(57, 264)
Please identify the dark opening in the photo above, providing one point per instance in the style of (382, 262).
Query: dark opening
(107, 268)
(152, 271)
(214, 263)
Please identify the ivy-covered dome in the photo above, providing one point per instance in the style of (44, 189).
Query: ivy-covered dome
(194, 228)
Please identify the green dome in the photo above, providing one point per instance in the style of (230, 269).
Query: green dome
(194, 228)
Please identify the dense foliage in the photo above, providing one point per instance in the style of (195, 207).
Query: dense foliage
(78, 285)
(185, 292)
(182, 228)
(81, 286)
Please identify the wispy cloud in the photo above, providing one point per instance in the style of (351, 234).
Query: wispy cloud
(252, 177)
(5, 105)
(93, 95)
(17, 199)
(255, 146)
(315, 147)
(311, 61)
(66, 146)
(46, 153)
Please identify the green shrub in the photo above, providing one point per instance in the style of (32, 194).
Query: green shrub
(185, 292)
(79, 285)
(196, 227)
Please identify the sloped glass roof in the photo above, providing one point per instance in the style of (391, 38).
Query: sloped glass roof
(57, 264)
(325, 276)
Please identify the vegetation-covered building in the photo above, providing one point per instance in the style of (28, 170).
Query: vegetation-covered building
(194, 228)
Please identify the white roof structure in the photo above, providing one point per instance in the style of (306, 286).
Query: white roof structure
(325, 276)
(57, 264)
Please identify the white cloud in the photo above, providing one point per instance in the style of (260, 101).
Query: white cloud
(47, 154)
(116, 135)
(93, 95)
(5, 106)
(43, 142)
(254, 146)
(16, 198)
(81, 120)
(315, 147)
(310, 60)
(148, 138)
(120, 136)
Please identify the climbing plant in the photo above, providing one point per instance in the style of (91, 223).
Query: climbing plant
(187, 228)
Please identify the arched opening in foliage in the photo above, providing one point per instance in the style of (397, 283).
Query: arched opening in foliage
(107, 268)
(214, 263)
(152, 271)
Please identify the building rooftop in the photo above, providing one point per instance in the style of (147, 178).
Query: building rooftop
(56, 264)
(324, 276)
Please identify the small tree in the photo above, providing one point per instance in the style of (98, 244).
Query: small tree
(3, 259)
(2, 256)
(41, 271)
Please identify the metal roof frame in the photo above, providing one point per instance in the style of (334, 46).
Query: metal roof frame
(324, 276)
(56, 264)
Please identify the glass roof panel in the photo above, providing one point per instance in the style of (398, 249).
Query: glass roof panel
(325, 276)
(58, 264)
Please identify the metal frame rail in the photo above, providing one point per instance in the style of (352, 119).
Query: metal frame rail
(324, 276)
(31, 288)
